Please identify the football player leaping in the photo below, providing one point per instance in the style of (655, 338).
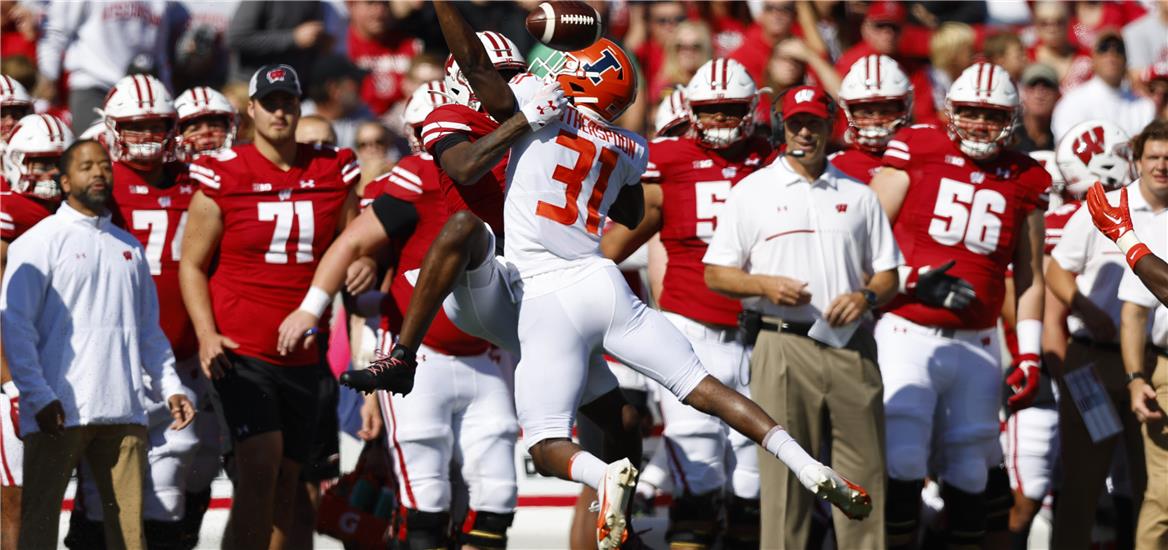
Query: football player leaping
(955, 194)
(563, 179)
(685, 184)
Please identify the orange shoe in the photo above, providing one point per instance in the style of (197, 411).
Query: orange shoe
(618, 485)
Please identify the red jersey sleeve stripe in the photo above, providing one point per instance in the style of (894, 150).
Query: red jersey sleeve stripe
(896, 154)
(406, 174)
(897, 144)
(204, 180)
(445, 126)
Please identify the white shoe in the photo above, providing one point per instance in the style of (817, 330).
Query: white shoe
(617, 486)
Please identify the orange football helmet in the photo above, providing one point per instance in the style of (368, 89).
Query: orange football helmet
(600, 78)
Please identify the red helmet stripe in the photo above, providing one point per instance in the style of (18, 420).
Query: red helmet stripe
(7, 87)
(989, 78)
(149, 89)
(138, 90)
(725, 73)
(876, 62)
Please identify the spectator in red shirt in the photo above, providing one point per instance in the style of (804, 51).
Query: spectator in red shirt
(880, 33)
(1155, 79)
(380, 50)
(775, 23)
(1054, 46)
(18, 30)
(728, 22)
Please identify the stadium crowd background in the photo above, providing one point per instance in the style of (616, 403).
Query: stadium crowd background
(361, 60)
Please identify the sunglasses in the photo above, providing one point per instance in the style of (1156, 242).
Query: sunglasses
(690, 47)
(677, 20)
(1111, 45)
(1050, 22)
(374, 143)
(775, 8)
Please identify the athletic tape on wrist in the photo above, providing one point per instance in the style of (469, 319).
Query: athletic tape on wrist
(1029, 332)
(315, 301)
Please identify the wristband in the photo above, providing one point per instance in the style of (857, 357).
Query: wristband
(315, 301)
(1135, 253)
(906, 274)
(1029, 332)
(9, 389)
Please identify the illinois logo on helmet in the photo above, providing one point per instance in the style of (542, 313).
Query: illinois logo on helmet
(599, 79)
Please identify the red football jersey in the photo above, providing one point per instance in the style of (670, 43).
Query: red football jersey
(857, 163)
(387, 62)
(695, 182)
(276, 226)
(959, 209)
(415, 180)
(1055, 220)
(157, 216)
(19, 212)
(485, 197)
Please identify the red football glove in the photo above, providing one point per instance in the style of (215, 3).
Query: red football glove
(1024, 381)
(1115, 222)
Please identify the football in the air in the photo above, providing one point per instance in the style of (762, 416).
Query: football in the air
(569, 25)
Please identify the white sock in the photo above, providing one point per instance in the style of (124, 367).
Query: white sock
(779, 443)
(585, 468)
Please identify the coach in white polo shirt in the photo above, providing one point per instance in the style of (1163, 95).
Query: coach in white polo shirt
(810, 252)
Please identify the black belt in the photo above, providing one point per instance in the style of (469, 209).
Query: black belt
(1095, 344)
(798, 329)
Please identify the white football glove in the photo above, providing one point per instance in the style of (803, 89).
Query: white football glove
(826, 484)
(545, 106)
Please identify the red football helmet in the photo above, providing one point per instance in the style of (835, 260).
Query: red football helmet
(600, 78)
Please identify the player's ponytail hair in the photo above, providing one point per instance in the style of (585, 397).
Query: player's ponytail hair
(1157, 130)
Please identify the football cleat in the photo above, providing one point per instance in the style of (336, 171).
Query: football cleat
(618, 485)
(393, 373)
(826, 484)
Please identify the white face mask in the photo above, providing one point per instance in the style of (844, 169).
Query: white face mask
(979, 149)
(874, 136)
(46, 189)
(721, 137)
(148, 151)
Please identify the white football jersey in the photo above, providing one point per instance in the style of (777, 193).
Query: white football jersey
(561, 181)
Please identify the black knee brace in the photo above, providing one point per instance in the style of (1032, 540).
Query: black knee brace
(966, 513)
(902, 512)
(999, 499)
(84, 534)
(486, 530)
(196, 508)
(742, 524)
(693, 519)
(417, 530)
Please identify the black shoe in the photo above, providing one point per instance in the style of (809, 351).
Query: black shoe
(393, 373)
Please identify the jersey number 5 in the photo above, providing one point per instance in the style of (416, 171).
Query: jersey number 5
(710, 197)
(282, 213)
(964, 213)
(573, 180)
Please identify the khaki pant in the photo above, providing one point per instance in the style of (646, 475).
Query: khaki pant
(116, 454)
(1085, 463)
(815, 391)
(1152, 530)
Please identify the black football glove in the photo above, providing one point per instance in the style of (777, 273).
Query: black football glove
(935, 287)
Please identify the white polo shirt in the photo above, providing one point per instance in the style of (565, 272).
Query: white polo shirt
(1099, 264)
(830, 233)
(1152, 228)
(1094, 99)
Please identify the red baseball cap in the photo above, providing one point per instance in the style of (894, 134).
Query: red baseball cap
(886, 12)
(810, 100)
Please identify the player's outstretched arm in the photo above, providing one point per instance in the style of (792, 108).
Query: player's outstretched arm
(476, 66)
(620, 241)
(1115, 223)
(466, 161)
(200, 241)
(890, 185)
(364, 236)
(1030, 293)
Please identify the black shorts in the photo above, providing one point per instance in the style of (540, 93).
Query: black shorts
(324, 457)
(259, 397)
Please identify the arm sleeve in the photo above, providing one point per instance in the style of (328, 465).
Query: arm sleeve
(1071, 251)
(60, 28)
(727, 247)
(247, 35)
(397, 217)
(26, 281)
(157, 357)
(350, 167)
(883, 252)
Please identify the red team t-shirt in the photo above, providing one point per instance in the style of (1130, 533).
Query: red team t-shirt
(157, 217)
(958, 209)
(485, 197)
(857, 163)
(276, 227)
(19, 212)
(695, 183)
(387, 63)
(415, 180)
(1055, 220)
